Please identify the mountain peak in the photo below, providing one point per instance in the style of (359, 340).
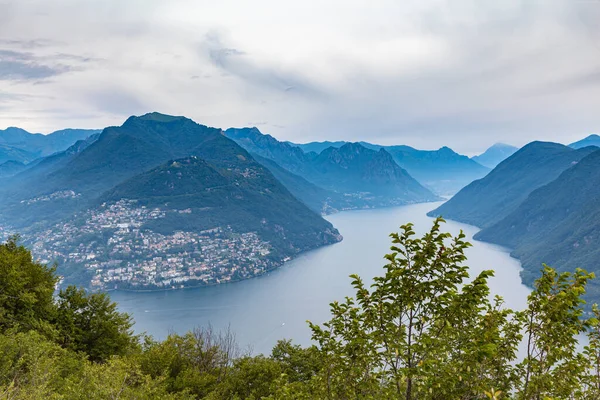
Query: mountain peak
(157, 117)
(591, 140)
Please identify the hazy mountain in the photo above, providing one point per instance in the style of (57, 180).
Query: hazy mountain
(444, 171)
(9, 153)
(495, 155)
(43, 145)
(317, 147)
(369, 178)
(558, 224)
(286, 155)
(592, 140)
(223, 178)
(492, 198)
(316, 198)
(353, 168)
(10, 168)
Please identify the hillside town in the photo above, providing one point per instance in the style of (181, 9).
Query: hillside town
(113, 250)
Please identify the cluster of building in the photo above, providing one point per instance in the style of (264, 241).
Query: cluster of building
(63, 194)
(117, 251)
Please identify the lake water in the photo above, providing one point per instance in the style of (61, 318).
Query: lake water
(274, 306)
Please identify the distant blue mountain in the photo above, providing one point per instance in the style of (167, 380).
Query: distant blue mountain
(39, 145)
(369, 178)
(444, 171)
(317, 147)
(490, 199)
(592, 140)
(495, 155)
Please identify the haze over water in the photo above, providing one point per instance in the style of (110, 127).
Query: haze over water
(275, 306)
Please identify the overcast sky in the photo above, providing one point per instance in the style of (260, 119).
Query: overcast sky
(425, 73)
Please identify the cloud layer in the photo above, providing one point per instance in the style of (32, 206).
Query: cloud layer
(459, 73)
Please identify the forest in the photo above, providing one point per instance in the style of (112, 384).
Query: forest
(424, 329)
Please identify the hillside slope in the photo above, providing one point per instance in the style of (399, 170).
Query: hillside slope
(492, 198)
(366, 177)
(558, 224)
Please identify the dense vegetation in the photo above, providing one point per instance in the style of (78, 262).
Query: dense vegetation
(223, 186)
(558, 223)
(488, 200)
(218, 197)
(423, 330)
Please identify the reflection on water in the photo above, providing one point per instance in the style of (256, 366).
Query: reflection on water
(277, 305)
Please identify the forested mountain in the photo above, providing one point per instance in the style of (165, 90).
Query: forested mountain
(495, 155)
(316, 198)
(592, 140)
(368, 177)
(488, 200)
(247, 200)
(353, 168)
(156, 196)
(43, 145)
(444, 171)
(558, 224)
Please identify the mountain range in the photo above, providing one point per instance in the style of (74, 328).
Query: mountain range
(366, 177)
(557, 224)
(488, 200)
(495, 155)
(38, 145)
(162, 201)
(443, 171)
(592, 140)
(196, 179)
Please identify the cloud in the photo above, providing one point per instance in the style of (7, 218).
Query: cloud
(427, 74)
(256, 72)
(18, 66)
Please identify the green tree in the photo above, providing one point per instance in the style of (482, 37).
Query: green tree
(552, 322)
(91, 323)
(26, 288)
(420, 331)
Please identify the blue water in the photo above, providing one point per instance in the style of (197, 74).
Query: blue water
(262, 310)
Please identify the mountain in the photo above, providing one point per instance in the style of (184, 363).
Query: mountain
(9, 153)
(10, 168)
(248, 200)
(317, 147)
(488, 200)
(495, 155)
(444, 171)
(353, 168)
(592, 140)
(159, 193)
(558, 224)
(366, 177)
(43, 145)
(284, 154)
(316, 198)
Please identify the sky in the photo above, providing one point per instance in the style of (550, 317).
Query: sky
(426, 73)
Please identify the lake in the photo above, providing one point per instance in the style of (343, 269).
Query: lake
(274, 306)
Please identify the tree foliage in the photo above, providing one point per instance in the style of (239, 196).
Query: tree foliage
(424, 329)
